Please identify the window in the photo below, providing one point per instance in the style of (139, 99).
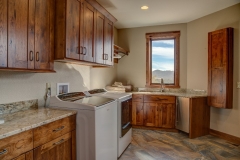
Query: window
(163, 59)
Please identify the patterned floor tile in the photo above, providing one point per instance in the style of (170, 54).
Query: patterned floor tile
(160, 145)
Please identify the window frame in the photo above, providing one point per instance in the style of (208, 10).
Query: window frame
(163, 36)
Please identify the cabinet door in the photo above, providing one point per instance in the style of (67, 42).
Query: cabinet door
(88, 37)
(58, 149)
(168, 113)
(149, 114)
(17, 34)
(220, 68)
(99, 38)
(3, 33)
(43, 33)
(25, 156)
(137, 113)
(73, 29)
(108, 42)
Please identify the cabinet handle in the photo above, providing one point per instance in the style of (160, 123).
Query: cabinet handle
(59, 142)
(77, 50)
(4, 151)
(81, 49)
(37, 56)
(58, 129)
(85, 51)
(31, 56)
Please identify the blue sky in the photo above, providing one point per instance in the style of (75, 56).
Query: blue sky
(163, 55)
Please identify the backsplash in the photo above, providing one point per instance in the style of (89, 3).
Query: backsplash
(18, 106)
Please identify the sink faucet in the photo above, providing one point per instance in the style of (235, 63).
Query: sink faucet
(161, 85)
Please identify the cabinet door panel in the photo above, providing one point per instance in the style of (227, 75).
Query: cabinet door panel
(108, 42)
(158, 115)
(3, 33)
(42, 34)
(168, 115)
(137, 113)
(149, 114)
(88, 50)
(58, 149)
(31, 34)
(99, 38)
(73, 29)
(17, 34)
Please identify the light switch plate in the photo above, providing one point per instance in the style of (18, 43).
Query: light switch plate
(238, 85)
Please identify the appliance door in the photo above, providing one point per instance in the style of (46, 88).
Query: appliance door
(126, 116)
(182, 122)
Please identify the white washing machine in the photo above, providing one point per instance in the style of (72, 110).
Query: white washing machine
(96, 124)
(124, 102)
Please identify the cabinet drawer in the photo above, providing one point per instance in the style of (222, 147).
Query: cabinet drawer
(53, 130)
(16, 145)
(137, 97)
(162, 99)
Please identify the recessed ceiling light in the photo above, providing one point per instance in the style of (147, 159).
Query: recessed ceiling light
(144, 7)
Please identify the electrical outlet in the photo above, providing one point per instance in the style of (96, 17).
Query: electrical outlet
(238, 85)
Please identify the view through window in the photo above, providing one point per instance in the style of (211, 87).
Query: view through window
(163, 61)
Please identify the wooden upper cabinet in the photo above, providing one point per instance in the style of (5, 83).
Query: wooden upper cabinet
(17, 34)
(27, 29)
(89, 30)
(3, 33)
(99, 38)
(73, 27)
(44, 18)
(220, 68)
(83, 33)
(108, 42)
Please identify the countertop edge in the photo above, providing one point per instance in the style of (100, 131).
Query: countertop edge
(17, 131)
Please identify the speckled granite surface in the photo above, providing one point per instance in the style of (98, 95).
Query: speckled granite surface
(18, 106)
(188, 93)
(20, 121)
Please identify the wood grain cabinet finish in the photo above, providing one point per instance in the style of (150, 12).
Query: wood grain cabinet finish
(57, 149)
(220, 68)
(154, 111)
(26, 41)
(16, 145)
(25, 156)
(83, 33)
(53, 130)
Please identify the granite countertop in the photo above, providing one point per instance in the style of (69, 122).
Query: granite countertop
(18, 122)
(188, 93)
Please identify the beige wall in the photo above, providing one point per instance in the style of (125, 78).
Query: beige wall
(133, 67)
(20, 86)
(223, 120)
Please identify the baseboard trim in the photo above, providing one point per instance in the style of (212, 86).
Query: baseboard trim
(156, 128)
(228, 137)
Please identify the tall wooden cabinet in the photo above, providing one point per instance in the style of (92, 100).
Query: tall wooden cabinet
(220, 68)
(27, 28)
(83, 33)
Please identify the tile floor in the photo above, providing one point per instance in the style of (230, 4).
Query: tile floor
(159, 145)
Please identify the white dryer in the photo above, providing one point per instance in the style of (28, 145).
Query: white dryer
(96, 130)
(124, 102)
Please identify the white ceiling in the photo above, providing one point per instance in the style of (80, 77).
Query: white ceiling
(160, 12)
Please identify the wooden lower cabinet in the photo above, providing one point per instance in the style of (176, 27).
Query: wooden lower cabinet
(25, 156)
(154, 111)
(59, 145)
(57, 149)
(137, 113)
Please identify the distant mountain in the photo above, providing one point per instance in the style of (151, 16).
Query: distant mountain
(168, 76)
